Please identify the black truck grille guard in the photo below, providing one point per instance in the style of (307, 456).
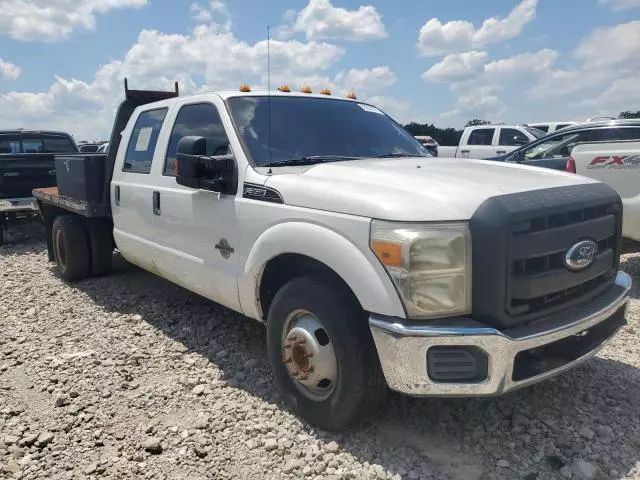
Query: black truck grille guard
(522, 240)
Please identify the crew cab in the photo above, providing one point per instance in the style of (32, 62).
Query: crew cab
(490, 140)
(27, 162)
(372, 263)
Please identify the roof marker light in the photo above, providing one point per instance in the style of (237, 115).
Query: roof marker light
(306, 89)
(352, 96)
(325, 91)
(245, 88)
(284, 88)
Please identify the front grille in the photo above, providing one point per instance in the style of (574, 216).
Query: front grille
(519, 242)
(539, 280)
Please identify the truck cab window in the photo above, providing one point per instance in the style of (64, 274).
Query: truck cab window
(202, 120)
(32, 145)
(512, 137)
(481, 136)
(143, 141)
(58, 145)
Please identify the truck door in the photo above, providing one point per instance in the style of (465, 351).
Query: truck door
(131, 190)
(479, 144)
(197, 229)
(510, 139)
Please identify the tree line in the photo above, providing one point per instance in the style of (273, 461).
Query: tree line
(451, 136)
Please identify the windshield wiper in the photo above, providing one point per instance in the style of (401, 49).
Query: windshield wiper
(398, 155)
(309, 160)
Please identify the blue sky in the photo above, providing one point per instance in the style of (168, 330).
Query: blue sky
(62, 61)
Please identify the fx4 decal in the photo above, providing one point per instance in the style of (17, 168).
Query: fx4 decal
(615, 161)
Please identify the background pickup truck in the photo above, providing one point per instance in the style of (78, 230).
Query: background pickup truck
(618, 165)
(372, 263)
(27, 162)
(490, 140)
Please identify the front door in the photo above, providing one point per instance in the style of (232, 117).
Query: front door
(198, 229)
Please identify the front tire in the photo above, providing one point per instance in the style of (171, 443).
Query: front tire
(71, 247)
(322, 353)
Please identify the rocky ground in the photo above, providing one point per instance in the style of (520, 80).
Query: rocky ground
(131, 377)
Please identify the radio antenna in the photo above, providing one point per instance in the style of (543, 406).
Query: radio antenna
(269, 95)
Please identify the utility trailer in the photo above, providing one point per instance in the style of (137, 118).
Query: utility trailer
(79, 208)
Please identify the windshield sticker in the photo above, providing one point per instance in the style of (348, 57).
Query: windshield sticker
(142, 144)
(369, 108)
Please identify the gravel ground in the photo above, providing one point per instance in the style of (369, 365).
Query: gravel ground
(131, 377)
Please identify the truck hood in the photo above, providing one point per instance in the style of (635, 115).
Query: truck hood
(410, 189)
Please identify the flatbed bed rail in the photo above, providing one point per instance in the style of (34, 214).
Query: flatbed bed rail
(86, 209)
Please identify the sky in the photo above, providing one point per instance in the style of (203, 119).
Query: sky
(62, 62)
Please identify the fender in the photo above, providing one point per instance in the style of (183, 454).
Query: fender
(364, 274)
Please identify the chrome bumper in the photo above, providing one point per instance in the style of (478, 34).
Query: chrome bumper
(402, 347)
(18, 205)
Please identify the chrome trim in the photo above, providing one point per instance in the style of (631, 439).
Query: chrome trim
(402, 346)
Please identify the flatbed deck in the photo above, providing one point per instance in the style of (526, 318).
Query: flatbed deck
(86, 209)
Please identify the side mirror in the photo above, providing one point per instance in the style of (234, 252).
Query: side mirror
(520, 141)
(195, 169)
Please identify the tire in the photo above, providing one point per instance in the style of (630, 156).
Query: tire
(100, 246)
(71, 247)
(358, 383)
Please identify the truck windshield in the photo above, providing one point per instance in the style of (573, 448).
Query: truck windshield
(306, 128)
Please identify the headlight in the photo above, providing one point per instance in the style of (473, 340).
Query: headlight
(430, 265)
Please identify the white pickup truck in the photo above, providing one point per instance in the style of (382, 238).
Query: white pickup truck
(618, 165)
(372, 264)
(488, 141)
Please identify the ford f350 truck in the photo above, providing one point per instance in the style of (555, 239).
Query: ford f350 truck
(372, 263)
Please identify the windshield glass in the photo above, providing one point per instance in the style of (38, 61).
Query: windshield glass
(536, 132)
(316, 127)
(554, 147)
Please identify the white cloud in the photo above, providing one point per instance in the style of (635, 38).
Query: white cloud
(617, 46)
(623, 94)
(53, 20)
(436, 38)
(522, 63)
(9, 71)
(369, 80)
(216, 58)
(320, 20)
(479, 103)
(619, 5)
(606, 56)
(456, 66)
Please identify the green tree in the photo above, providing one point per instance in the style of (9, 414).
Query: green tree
(477, 121)
(629, 114)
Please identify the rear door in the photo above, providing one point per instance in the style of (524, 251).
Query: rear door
(197, 229)
(509, 139)
(132, 186)
(480, 143)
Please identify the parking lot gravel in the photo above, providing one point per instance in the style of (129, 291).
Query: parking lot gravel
(129, 376)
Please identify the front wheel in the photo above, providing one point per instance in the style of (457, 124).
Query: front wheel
(322, 353)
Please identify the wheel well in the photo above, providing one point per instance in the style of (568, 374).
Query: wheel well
(283, 268)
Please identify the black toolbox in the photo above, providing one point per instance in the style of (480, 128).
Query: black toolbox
(81, 177)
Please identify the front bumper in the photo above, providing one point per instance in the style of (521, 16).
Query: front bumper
(402, 347)
(18, 205)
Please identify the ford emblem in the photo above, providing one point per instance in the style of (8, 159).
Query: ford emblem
(581, 255)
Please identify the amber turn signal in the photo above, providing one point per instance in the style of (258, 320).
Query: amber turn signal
(390, 254)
